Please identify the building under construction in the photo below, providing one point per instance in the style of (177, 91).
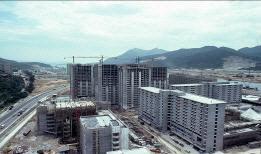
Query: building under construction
(61, 119)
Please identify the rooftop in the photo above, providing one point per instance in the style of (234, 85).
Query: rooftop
(151, 89)
(60, 105)
(202, 99)
(184, 85)
(133, 151)
(96, 121)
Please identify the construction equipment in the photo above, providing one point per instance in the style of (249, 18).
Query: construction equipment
(99, 57)
(137, 59)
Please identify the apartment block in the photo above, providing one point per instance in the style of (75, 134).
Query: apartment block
(106, 83)
(229, 92)
(131, 77)
(158, 77)
(180, 78)
(60, 118)
(82, 81)
(196, 119)
(102, 133)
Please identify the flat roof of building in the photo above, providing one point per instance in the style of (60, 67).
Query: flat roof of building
(186, 85)
(132, 151)
(151, 89)
(96, 121)
(60, 105)
(202, 99)
(189, 96)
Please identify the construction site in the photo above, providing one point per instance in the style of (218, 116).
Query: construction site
(61, 119)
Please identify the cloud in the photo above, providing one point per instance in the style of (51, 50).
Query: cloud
(111, 28)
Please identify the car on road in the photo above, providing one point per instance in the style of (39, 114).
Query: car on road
(11, 107)
(2, 126)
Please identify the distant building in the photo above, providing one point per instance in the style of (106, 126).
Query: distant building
(61, 118)
(197, 119)
(229, 92)
(82, 81)
(132, 151)
(158, 77)
(102, 133)
(179, 78)
(106, 83)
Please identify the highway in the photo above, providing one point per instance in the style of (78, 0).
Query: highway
(11, 116)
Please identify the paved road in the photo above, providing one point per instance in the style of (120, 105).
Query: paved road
(12, 115)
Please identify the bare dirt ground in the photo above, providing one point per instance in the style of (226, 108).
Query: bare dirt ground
(33, 142)
(44, 84)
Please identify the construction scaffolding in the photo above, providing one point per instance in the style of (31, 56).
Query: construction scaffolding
(61, 119)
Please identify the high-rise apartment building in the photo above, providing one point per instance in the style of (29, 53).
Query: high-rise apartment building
(158, 77)
(102, 133)
(131, 77)
(82, 82)
(106, 83)
(180, 78)
(229, 92)
(197, 119)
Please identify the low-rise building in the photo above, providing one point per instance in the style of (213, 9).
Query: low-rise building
(61, 118)
(102, 133)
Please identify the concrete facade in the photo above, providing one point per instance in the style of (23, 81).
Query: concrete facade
(106, 83)
(198, 120)
(61, 118)
(179, 78)
(102, 133)
(131, 77)
(228, 92)
(82, 81)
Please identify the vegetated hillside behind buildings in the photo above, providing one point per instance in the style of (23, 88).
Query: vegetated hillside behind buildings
(11, 89)
(24, 65)
(207, 57)
(131, 55)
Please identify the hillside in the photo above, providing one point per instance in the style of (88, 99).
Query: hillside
(199, 58)
(254, 51)
(24, 65)
(131, 55)
(11, 89)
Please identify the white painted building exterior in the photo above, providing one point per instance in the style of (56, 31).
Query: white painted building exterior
(197, 119)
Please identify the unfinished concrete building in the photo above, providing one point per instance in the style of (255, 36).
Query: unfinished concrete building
(158, 77)
(106, 83)
(131, 77)
(61, 119)
(81, 84)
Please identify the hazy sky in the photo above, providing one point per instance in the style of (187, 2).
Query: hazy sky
(49, 31)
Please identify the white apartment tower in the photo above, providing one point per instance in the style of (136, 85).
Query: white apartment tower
(197, 119)
(100, 134)
(226, 91)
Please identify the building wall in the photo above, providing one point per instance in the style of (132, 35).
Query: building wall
(107, 84)
(82, 82)
(158, 77)
(200, 124)
(131, 77)
(230, 93)
(178, 78)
